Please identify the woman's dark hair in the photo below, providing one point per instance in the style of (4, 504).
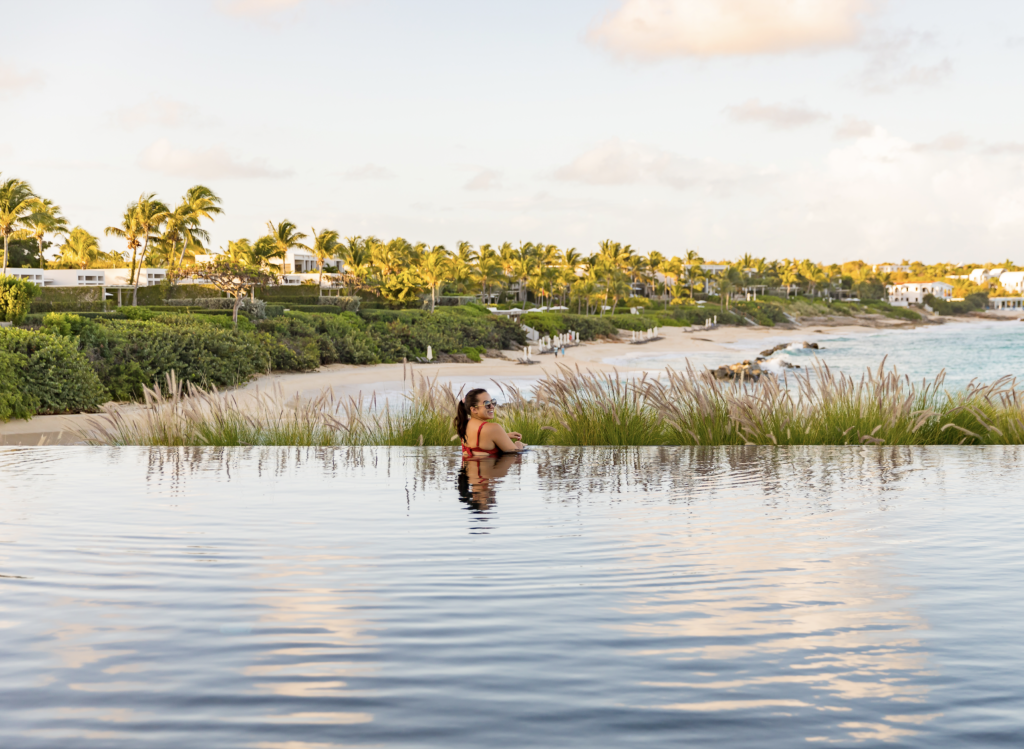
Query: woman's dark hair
(462, 411)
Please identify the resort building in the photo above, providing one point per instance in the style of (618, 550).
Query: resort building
(903, 294)
(1006, 302)
(980, 275)
(1012, 280)
(297, 261)
(890, 268)
(67, 277)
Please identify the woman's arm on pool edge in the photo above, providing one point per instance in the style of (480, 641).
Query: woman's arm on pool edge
(501, 440)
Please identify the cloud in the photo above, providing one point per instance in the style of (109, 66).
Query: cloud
(615, 162)
(1004, 149)
(944, 144)
(852, 128)
(892, 64)
(776, 117)
(369, 172)
(211, 163)
(13, 81)
(486, 179)
(658, 29)
(161, 112)
(256, 8)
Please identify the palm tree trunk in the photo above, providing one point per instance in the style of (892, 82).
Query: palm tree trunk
(138, 274)
(42, 265)
(320, 283)
(6, 240)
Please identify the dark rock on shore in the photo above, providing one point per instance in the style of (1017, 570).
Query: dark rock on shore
(781, 346)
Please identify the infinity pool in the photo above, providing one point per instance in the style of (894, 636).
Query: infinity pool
(286, 598)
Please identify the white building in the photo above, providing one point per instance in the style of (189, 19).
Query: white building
(1006, 302)
(980, 275)
(902, 294)
(890, 268)
(1012, 280)
(65, 277)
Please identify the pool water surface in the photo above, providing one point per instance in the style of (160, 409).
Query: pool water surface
(301, 598)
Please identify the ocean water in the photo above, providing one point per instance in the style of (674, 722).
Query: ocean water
(284, 598)
(984, 351)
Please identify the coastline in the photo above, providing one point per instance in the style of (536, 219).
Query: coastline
(350, 380)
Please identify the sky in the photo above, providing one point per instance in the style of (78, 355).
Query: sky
(879, 130)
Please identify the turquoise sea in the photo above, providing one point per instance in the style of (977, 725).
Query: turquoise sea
(982, 351)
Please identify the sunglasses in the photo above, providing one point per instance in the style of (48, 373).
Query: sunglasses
(489, 404)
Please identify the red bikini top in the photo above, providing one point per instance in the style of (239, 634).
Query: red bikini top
(468, 452)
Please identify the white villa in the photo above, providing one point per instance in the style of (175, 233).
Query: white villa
(903, 294)
(1006, 302)
(980, 275)
(890, 268)
(297, 268)
(92, 277)
(1012, 280)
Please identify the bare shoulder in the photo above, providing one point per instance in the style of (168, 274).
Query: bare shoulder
(491, 428)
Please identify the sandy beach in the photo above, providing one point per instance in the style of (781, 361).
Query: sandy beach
(392, 379)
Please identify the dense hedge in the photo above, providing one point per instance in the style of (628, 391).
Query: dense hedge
(590, 327)
(971, 303)
(15, 297)
(50, 372)
(15, 403)
(130, 354)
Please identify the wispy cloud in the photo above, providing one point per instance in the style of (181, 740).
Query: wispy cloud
(160, 112)
(210, 163)
(853, 127)
(14, 81)
(1004, 149)
(658, 29)
(949, 143)
(369, 172)
(893, 63)
(485, 179)
(775, 116)
(615, 162)
(256, 8)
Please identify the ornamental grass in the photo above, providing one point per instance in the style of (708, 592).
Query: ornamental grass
(572, 407)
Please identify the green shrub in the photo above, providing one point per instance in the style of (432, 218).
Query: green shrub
(305, 341)
(15, 298)
(15, 401)
(972, 303)
(54, 375)
(63, 323)
(130, 354)
(346, 303)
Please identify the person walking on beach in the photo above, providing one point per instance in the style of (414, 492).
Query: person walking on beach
(481, 437)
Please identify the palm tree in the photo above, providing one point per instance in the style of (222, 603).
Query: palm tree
(152, 215)
(326, 246)
(434, 270)
(131, 232)
(44, 219)
(790, 277)
(286, 236)
(262, 251)
(183, 225)
(239, 252)
(80, 248)
(16, 201)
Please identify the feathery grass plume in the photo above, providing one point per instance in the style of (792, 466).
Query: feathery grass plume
(598, 409)
(571, 407)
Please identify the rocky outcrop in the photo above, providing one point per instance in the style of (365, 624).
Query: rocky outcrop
(745, 370)
(781, 346)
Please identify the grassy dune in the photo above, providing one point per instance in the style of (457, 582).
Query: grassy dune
(572, 407)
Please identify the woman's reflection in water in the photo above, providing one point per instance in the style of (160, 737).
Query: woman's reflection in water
(478, 480)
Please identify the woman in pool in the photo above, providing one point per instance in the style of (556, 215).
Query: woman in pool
(481, 437)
